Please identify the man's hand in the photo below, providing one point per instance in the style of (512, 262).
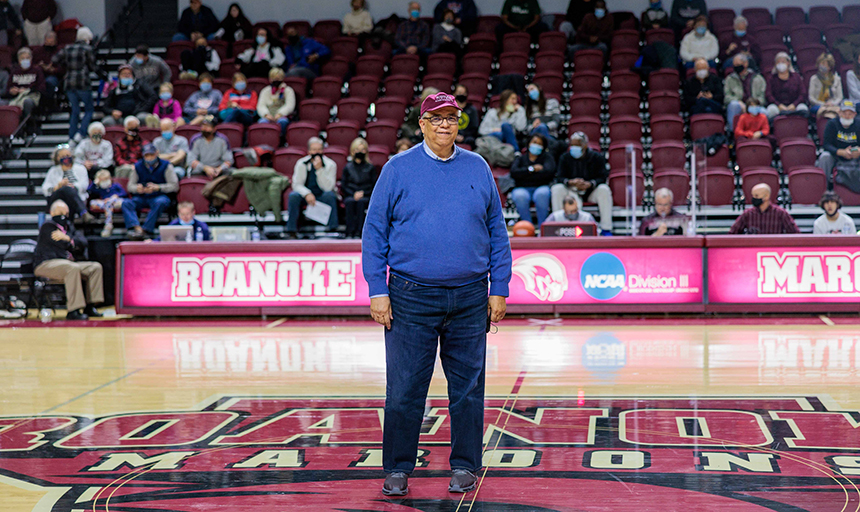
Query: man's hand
(496, 308)
(152, 187)
(756, 135)
(380, 310)
(202, 111)
(593, 39)
(536, 123)
(731, 48)
(14, 90)
(318, 162)
(537, 167)
(661, 230)
(412, 50)
(58, 236)
(234, 104)
(89, 164)
(708, 94)
(358, 195)
(311, 199)
(141, 189)
(313, 58)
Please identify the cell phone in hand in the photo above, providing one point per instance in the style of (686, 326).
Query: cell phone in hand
(488, 322)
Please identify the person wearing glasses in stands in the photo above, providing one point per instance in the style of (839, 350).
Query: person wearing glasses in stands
(435, 220)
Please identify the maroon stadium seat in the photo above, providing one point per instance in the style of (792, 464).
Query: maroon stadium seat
(668, 154)
(837, 31)
(477, 83)
(623, 104)
(625, 129)
(366, 87)
(10, 114)
(242, 45)
(303, 27)
(806, 184)
(478, 62)
(257, 84)
(221, 47)
(625, 40)
(823, 15)
(588, 60)
(790, 127)
(346, 47)
(188, 131)
(517, 42)
(768, 35)
(585, 104)
(391, 108)
(326, 31)
(284, 160)
(622, 60)
(666, 35)
(625, 81)
(787, 17)
(353, 110)
(327, 88)
(590, 126)
(716, 187)
(705, 125)
(191, 190)
(442, 82)
(341, 133)
(797, 153)
(768, 53)
(299, 132)
(549, 62)
(618, 181)
(808, 54)
(664, 80)
(617, 155)
(299, 85)
(182, 89)
(722, 18)
(378, 155)
(316, 110)
(222, 84)
(441, 63)
(551, 83)
(399, 86)
(804, 35)
(175, 49)
(482, 42)
(337, 67)
(587, 81)
(664, 102)
(849, 197)
(383, 133)
(676, 180)
(370, 65)
(487, 23)
(553, 41)
(851, 15)
(339, 154)
(264, 134)
(406, 65)
(757, 16)
(753, 153)
(757, 175)
(234, 132)
(240, 203)
(667, 127)
(511, 63)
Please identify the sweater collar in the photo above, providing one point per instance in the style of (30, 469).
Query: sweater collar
(434, 156)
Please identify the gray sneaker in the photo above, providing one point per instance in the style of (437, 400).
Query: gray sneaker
(462, 481)
(396, 484)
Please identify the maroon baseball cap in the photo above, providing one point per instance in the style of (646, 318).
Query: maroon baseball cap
(437, 101)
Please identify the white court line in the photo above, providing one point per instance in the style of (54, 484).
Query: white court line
(826, 320)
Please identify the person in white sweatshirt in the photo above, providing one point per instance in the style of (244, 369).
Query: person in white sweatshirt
(94, 152)
(358, 21)
(276, 102)
(505, 121)
(700, 42)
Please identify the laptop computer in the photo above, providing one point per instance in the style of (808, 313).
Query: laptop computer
(175, 233)
(230, 233)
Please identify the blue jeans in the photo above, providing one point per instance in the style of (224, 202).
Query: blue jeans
(295, 203)
(706, 106)
(523, 197)
(455, 320)
(508, 136)
(283, 122)
(76, 96)
(238, 115)
(156, 204)
(734, 109)
(543, 130)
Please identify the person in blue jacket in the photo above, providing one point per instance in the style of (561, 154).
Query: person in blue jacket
(185, 217)
(303, 55)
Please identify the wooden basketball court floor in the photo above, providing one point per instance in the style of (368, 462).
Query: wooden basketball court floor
(581, 415)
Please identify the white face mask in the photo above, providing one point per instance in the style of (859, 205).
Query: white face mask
(702, 74)
(846, 123)
(447, 26)
(782, 67)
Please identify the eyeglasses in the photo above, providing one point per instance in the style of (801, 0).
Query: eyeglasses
(437, 120)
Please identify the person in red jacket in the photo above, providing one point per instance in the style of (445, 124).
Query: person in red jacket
(238, 105)
(752, 124)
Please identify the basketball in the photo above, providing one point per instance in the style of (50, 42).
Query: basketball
(524, 228)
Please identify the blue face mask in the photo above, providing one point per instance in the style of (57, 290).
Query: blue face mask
(239, 86)
(205, 86)
(183, 223)
(166, 135)
(138, 61)
(534, 94)
(535, 149)
(151, 162)
(755, 110)
(415, 14)
(740, 33)
(576, 151)
(599, 13)
(701, 30)
(126, 82)
(165, 96)
(26, 63)
(261, 40)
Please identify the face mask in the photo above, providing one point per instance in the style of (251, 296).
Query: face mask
(846, 123)
(138, 61)
(66, 160)
(415, 14)
(657, 6)
(261, 40)
(25, 63)
(576, 151)
(448, 24)
(461, 98)
(96, 138)
(126, 82)
(207, 134)
(183, 223)
(358, 157)
(782, 67)
(511, 108)
(823, 70)
(166, 135)
(739, 69)
(133, 132)
(757, 201)
(293, 40)
(701, 30)
(276, 84)
(151, 161)
(702, 74)
(754, 110)
(534, 94)
(205, 86)
(239, 86)
(165, 96)
(740, 33)
(571, 216)
(105, 184)
(599, 13)
(535, 149)
(60, 219)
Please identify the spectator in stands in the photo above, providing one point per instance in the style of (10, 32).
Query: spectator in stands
(832, 221)
(447, 38)
(43, 56)
(665, 220)
(465, 14)
(10, 23)
(357, 22)
(740, 86)
(197, 18)
(753, 123)
(167, 107)
(402, 145)
(763, 218)
(703, 92)
(700, 42)
(595, 32)
(410, 127)
(852, 81)
(786, 92)
(26, 83)
(359, 177)
(533, 173)
(202, 59)
(108, 198)
(238, 105)
(570, 212)
(314, 179)
(470, 117)
(825, 88)
(413, 33)
(654, 16)
(235, 26)
(741, 41)
(149, 69)
(185, 217)
(130, 98)
(684, 14)
(841, 146)
(543, 114)
(505, 121)
(150, 182)
(277, 102)
(171, 147)
(209, 155)
(37, 16)
(79, 61)
(59, 250)
(263, 56)
(68, 182)
(128, 149)
(521, 16)
(94, 152)
(202, 103)
(303, 54)
(582, 172)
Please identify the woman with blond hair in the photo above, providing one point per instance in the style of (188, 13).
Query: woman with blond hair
(276, 102)
(786, 91)
(825, 88)
(359, 177)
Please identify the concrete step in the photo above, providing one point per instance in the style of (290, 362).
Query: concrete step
(35, 164)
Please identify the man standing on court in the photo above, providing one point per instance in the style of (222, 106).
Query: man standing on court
(435, 220)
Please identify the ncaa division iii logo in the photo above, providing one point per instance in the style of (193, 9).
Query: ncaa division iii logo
(603, 276)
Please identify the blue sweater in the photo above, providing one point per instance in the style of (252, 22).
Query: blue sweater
(436, 223)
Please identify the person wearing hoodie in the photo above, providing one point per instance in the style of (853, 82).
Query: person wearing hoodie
(752, 124)
(700, 42)
(203, 102)
(94, 152)
(302, 55)
(277, 101)
(130, 98)
(149, 69)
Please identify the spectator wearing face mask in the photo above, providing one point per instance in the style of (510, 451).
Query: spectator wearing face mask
(130, 98)
(26, 83)
(302, 55)
(149, 184)
(786, 92)
(505, 121)
(314, 179)
(447, 38)
(544, 114)
(739, 87)
(402, 145)
(67, 181)
(700, 42)
(533, 173)
(413, 33)
(654, 16)
(359, 177)
(94, 152)
(167, 107)
(209, 155)
(595, 30)
(703, 92)
(266, 54)
(185, 217)
(825, 88)
(238, 105)
(740, 41)
(570, 212)
(149, 69)
(665, 221)
(841, 146)
(582, 172)
(277, 102)
(43, 56)
(752, 124)
(202, 59)
(128, 149)
(172, 147)
(470, 118)
(108, 197)
(203, 102)
(465, 14)
(764, 218)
